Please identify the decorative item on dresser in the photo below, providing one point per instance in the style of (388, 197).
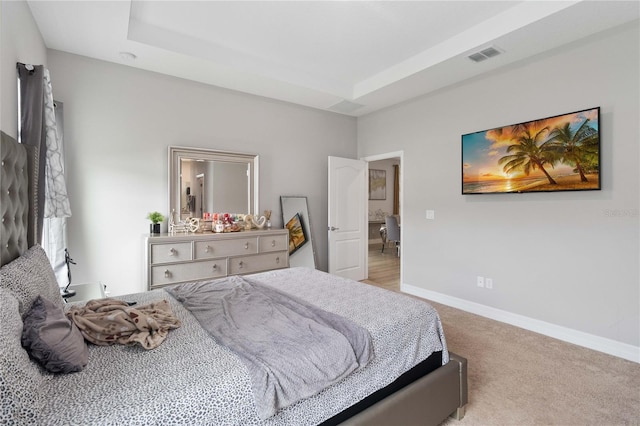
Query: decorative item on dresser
(156, 218)
(171, 259)
(190, 224)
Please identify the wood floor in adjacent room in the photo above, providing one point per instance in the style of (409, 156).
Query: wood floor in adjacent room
(518, 377)
(384, 268)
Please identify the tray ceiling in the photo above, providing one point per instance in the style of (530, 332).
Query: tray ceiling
(352, 57)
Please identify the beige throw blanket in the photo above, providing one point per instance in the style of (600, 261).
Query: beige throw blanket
(110, 321)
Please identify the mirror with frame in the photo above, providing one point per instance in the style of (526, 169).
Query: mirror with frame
(207, 181)
(295, 217)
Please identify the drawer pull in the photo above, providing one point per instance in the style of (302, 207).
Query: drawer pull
(246, 246)
(273, 243)
(172, 251)
(167, 273)
(208, 249)
(278, 259)
(241, 264)
(215, 266)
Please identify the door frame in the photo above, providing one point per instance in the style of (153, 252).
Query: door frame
(387, 156)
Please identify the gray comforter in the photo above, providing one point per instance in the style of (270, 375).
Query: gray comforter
(191, 379)
(292, 349)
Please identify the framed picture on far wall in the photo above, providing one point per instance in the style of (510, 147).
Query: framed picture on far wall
(297, 236)
(377, 184)
(559, 153)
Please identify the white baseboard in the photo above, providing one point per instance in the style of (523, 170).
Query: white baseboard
(601, 344)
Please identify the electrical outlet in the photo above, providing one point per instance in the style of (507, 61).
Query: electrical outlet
(480, 281)
(488, 283)
(431, 214)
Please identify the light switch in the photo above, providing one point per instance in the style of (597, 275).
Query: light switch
(431, 214)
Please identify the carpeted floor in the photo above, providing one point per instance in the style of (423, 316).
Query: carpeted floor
(517, 377)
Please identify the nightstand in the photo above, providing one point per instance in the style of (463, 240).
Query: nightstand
(85, 292)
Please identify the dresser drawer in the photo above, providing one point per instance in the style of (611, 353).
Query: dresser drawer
(259, 262)
(175, 273)
(171, 252)
(172, 259)
(221, 248)
(273, 243)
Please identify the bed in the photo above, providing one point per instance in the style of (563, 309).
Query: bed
(190, 378)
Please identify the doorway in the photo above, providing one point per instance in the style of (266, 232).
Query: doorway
(384, 260)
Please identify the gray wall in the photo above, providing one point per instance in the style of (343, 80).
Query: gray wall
(20, 41)
(119, 122)
(569, 259)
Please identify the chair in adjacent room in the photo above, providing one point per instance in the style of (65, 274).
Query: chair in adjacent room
(383, 235)
(393, 232)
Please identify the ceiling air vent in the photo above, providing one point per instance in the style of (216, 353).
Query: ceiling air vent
(484, 54)
(345, 106)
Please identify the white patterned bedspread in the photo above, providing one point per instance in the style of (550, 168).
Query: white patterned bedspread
(192, 380)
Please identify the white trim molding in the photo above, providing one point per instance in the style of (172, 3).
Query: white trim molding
(601, 344)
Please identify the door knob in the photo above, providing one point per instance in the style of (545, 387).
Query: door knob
(331, 228)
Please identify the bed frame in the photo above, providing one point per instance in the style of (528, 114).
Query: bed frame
(426, 401)
(18, 198)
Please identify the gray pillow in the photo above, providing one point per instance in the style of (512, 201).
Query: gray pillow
(52, 339)
(31, 275)
(22, 385)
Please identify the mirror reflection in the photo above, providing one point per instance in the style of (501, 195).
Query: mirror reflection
(205, 181)
(213, 186)
(295, 217)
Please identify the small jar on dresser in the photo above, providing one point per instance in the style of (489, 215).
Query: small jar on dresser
(172, 259)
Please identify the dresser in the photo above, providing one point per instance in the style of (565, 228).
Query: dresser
(172, 259)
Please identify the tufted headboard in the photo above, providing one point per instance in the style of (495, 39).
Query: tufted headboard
(18, 202)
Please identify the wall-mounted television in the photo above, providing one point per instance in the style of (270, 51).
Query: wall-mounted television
(559, 153)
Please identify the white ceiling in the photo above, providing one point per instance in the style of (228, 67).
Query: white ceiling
(352, 57)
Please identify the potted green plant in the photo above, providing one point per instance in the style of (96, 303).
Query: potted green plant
(156, 218)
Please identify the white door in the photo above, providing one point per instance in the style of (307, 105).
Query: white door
(348, 218)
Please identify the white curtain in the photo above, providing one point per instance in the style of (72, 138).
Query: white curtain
(56, 203)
